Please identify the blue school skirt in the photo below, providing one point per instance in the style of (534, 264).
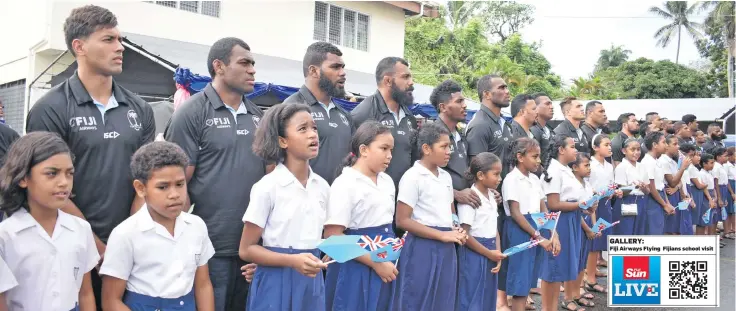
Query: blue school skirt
(727, 198)
(672, 222)
(701, 209)
(586, 245)
(517, 272)
(564, 266)
(283, 288)
(358, 287)
(477, 284)
(427, 275)
(655, 215)
(630, 225)
(605, 211)
(333, 270)
(139, 302)
(729, 205)
(715, 214)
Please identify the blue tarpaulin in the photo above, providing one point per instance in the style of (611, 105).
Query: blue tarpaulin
(196, 83)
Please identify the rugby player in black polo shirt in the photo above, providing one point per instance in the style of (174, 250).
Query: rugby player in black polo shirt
(215, 128)
(390, 106)
(102, 122)
(629, 128)
(488, 131)
(574, 116)
(541, 130)
(683, 133)
(692, 123)
(524, 110)
(714, 139)
(447, 98)
(595, 119)
(324, 79)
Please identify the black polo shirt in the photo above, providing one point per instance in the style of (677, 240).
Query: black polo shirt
(7, 137)
(335, 132)
(219, 146)
(644, 149)
(405, 150)
(458, 163)
(543, 135)
(617, 144)
(102, 146)
(484, 134)
(566, 129)
(517, 131)
(710, 145)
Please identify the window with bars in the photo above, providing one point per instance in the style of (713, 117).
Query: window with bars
(209, 8)
(341, 26)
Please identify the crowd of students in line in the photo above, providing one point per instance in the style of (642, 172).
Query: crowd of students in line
(493, 174)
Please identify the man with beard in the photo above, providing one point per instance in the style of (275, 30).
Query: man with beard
(488, 131)
(629, 128)
(447, 98)
(524, 111)
(683, 133)
(541, 130)
(667, 127)
(714, 139)
(692, 123)
(574, 116)
(215, 128)
(324, 79)
(390, 106)
(102, 122)
(655, 121)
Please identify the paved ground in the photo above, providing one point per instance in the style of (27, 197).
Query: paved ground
(727, 293)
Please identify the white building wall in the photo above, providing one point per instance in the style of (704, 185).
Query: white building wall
(24, 24)
(275, 28)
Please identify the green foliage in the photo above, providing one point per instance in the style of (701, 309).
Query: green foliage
(714, 49)
(437, 53)
(647, 79)
(505, 18)
(678, 13)
(612, 57)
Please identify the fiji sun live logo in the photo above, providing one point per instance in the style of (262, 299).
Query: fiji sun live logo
(636, 280)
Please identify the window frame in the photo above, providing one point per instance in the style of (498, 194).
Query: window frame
(342, 26)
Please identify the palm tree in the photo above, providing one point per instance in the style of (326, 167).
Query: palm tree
(678, 13)
(612, 57)
(722, 14)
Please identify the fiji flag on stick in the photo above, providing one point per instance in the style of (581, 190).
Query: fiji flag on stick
(545, 220)
(521, 247)
(706, 217)
(602, 224)
(342, 248)
(683, 205)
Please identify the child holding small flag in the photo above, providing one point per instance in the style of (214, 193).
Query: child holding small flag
(711, 203)
(362, 203)
(428, 263)
(561, 189)
(723, 188)
(673, 178)
(477, 259)
(523, 196)
(581, 169)
(689, 178)
(630, 211)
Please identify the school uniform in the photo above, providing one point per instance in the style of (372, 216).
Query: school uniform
(586, 245)
(7, 280)
(518, 274)
(601, 175)
(564, 266)
(686, 222)
(671, 222)
(49, 269)
(292, 217)
(731, 172)
(477, 284)
(721, 172)
(709, 180)
(427, 268)
(655, 211)
(159, 268)
(627, 174)
(363, 208)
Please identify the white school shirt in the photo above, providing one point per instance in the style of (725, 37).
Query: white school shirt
(721, 173)
(692, 172)
(482, 221)
(49, 270)
(429, 196)
(707, 178)
(601, 174)
(290, 214)
(156, 264)
(653, 171)
(627, 174)
(356, 202)
(526, 190)
(563, 182)
(731, 169)
(7, 280)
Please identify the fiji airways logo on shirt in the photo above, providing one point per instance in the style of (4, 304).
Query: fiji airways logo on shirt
(498, 133)
(636, 280)
(318, 116)
(389, 123)
(218, 122)
(83, 123)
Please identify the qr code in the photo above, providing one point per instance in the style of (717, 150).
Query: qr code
(688, 279)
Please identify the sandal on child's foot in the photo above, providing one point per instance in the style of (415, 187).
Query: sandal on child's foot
(586, 294)
(595, 287)
(585, 302)
(570, 305)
